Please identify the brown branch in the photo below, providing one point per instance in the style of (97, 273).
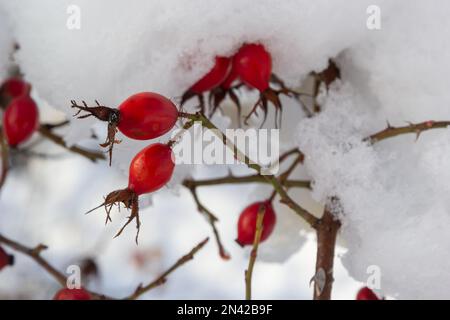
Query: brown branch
(210, 217)
(51, 126)
(285, 198)
(178, 136)
(35, 254)
(328, 226)
(417, 129)
(254, 252)
(140, 290)
(285, 175)
(246, 179)
(5, 158)
(326, 230)
(288, 153)
(91, 155)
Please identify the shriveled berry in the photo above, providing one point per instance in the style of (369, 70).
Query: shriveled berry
(247, 223)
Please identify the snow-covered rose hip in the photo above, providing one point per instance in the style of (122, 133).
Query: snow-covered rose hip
(366, 294)
(246, 226)
(72, 294)
(142, 116)
(215, 76)
(5, 259)
(20, 120)
(13, 88)
(149, 171)
(253, 64)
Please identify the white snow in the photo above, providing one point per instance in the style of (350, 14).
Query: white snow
(394, 195)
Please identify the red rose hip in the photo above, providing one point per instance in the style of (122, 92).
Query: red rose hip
(149, 171)
(230, 79)
(146, 115)
(20, 120)
(13, 88)
(247, 223)
(214, 77)
(143, 116)
(72, 294)
(151, 168)
(212, 80)
(366, 294)
(253, 64)
(5, 259)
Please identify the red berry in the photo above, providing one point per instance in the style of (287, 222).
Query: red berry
(247, 223)
(366, 294)
(228, 82)
(5, 259)
(253, 64)
(20, 120)
(146, 115)
(151, 168)
(214, 77)
(14, 87)
(142, 116)
(72, 294)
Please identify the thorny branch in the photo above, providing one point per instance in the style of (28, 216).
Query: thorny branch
(285, 175)
(140, 290)
(212, 219)
(230, 179)
(328, 225)
(285, 198)
(254, 252)
(46, 132)
(417, 129)
(5, 158)
(35, 254)
(326, 231)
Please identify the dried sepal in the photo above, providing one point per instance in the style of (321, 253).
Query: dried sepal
(130, 200)
(102, 113)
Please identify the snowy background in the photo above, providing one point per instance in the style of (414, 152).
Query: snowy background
(394, 194)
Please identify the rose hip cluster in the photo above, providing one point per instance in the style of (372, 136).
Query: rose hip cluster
(21, 116)
(251, 66)
(142, 116)
(149, 115)
(146, 116)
